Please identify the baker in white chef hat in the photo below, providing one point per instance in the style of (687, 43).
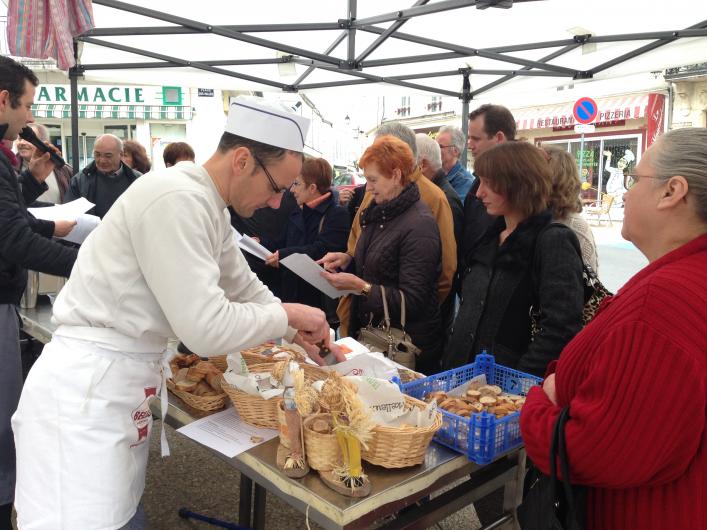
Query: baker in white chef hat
(264, 143)
(163, 263)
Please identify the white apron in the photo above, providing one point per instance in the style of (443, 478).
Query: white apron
(82, 432)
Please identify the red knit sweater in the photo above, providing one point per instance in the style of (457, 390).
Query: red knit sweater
(636, 382)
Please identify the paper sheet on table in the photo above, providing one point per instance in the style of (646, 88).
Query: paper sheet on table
(251, 246)
(85, 224)
(63, 212)
(226, 433)
(384, 398)
(306, 268)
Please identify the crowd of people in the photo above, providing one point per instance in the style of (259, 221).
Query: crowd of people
(492, 260)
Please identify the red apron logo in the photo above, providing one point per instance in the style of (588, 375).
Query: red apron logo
(141, 416)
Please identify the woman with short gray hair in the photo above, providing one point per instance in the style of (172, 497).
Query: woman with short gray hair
(641, 457)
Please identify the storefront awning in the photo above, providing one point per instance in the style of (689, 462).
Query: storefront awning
(618, 108)
(115, 112)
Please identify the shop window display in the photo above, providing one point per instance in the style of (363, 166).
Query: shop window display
(604, 161)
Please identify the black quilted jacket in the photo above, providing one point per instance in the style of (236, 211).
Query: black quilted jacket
(400, 249)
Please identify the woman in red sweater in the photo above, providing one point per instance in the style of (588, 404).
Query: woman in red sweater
(635, 379)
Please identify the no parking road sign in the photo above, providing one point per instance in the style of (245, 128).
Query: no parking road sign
(585, 110)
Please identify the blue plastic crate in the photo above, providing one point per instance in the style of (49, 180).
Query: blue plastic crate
(481, 437)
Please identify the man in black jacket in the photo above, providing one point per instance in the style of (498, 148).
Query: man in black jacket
(105, 179)
(489, 125)
(24, 243)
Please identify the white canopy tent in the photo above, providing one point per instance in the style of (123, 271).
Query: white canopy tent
(507, 50)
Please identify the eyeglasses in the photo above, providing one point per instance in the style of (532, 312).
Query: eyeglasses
(631, 178)
(275, 188)
(445, 146)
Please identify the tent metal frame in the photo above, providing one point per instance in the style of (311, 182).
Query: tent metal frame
(357, 66)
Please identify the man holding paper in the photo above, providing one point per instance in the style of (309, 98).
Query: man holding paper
(24, 243)
(162, 263)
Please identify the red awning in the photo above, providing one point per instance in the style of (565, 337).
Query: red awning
(627, 107)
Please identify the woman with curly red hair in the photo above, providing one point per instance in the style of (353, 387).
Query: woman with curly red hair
(399, 249)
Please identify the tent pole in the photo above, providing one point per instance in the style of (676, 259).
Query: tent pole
(351, 49)
(465, 97)
(74, 73)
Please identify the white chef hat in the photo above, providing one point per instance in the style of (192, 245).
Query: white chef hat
(258, 120)
(629, 156)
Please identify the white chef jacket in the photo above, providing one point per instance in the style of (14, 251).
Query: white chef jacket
(164, 263)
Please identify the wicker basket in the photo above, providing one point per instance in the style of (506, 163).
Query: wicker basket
(313, 372)
(322, 450)
(393, 447)
(252, 359)
(254, 409)
(253, 356)
(282, 424)
(205, 403)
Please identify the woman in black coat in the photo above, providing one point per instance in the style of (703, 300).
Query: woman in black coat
(317, 226)
(523, 263)
(399, 249)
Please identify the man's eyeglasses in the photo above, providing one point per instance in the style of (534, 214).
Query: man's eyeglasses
(631, 178)
(445, 146)
(275, 188)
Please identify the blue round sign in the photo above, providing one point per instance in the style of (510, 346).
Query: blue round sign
(585, 110)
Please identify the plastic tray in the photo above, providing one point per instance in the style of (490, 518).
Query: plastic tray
(481, 437)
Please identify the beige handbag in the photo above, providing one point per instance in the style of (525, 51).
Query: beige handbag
(394, 343)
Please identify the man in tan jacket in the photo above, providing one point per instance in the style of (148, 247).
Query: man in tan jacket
(435, 200)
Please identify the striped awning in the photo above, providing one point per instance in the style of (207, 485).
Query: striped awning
(618, 108)
(126, 112)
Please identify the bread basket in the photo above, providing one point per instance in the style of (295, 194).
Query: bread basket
(397, 447)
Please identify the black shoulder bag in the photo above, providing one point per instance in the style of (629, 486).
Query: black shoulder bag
(594, 290)
(545, 505)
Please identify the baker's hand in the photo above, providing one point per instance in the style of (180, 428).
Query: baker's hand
(549, 388)
(314, 349)
(273, 260)
(40, 165)
(62, 228)
(335, 260)
(344, 281)
(309, 321)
